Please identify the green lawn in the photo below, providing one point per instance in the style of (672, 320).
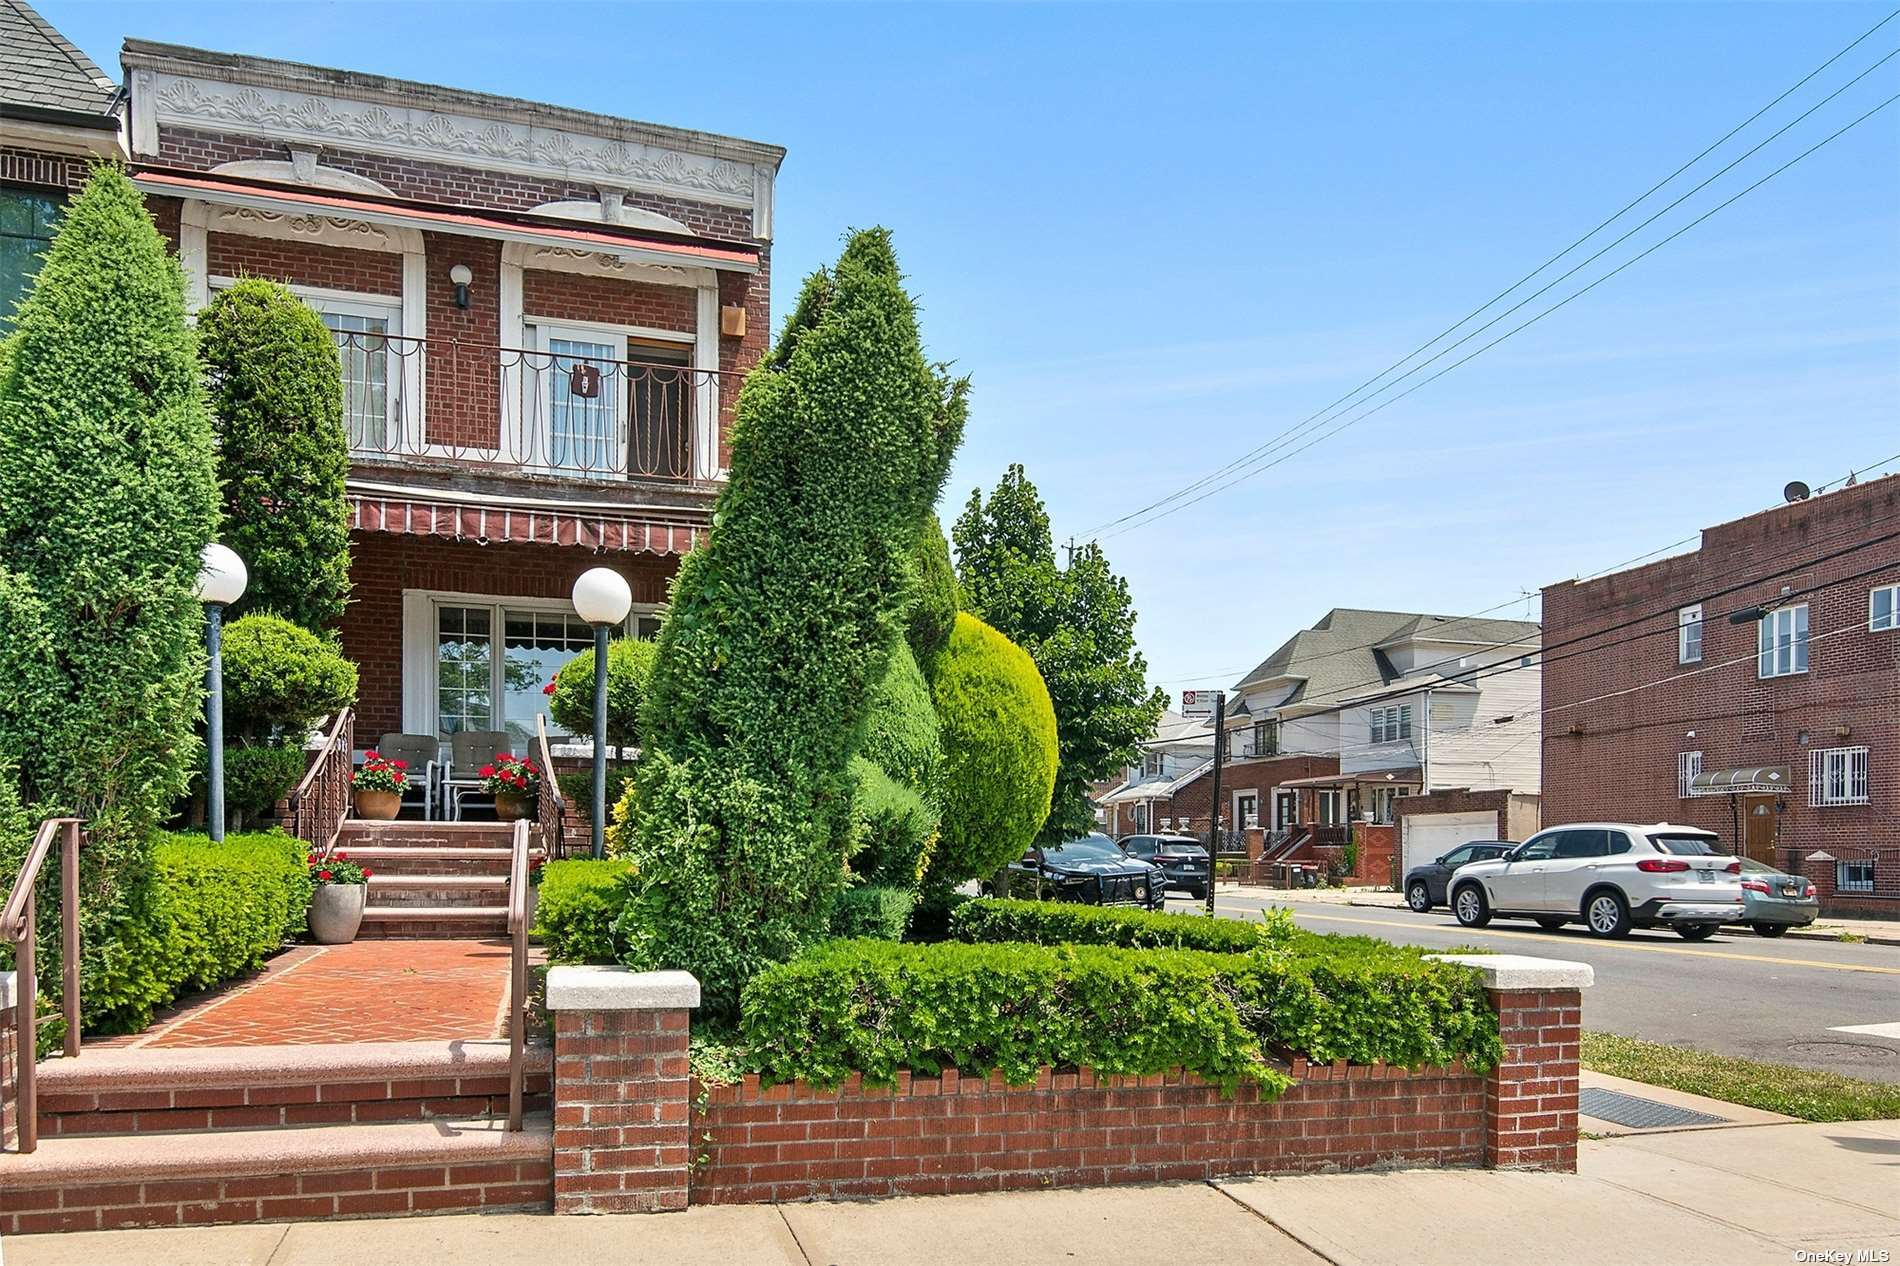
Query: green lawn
(1795, 1092)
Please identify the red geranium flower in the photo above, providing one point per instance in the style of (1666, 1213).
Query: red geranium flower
(342, 856)
(548, 689)
(368, 873)
(400, 764)
(324, 875)
(487, 771)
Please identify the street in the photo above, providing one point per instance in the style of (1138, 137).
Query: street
(1777, 1001)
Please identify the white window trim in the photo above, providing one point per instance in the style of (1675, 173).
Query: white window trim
(419, 624)
(1240, 821)
(1689, 617)
(1391, 723)
(1854, 776)
(1688, 765)
(1766, 643)
(1893, 608)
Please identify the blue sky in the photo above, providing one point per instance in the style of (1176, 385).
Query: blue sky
(1155, 237)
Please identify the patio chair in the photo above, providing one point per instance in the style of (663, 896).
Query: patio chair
(469, 750)
(423, 752)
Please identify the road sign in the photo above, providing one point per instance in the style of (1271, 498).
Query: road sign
(1199, 703)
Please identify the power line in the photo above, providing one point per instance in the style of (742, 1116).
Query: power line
(1578, 294)
(1305, 424)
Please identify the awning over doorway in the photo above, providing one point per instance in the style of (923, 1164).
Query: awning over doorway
(1748, 778)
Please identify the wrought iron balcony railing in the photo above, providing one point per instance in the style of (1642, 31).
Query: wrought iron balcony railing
(573, 409)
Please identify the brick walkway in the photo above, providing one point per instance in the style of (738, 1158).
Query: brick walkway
(368, 991)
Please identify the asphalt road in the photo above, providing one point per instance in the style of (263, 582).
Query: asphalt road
(1736, 994)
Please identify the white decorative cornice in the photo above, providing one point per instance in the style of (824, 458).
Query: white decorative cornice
(323, 230)
(300, 117)
(599, 264)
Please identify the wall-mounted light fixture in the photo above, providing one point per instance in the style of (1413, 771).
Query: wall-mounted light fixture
(461, 275)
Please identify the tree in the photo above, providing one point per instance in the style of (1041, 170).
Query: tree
(999, 753)
(108, 497)
(629, 672)
(779, 626)
(277, 404)
(1076, 622)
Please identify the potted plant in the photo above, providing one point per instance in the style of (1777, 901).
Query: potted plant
(377, 786)
(336, 904)
(514, 781)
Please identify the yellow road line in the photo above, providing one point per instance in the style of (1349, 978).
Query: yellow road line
(1515, 935)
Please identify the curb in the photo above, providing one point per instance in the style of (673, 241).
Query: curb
(1867, 938)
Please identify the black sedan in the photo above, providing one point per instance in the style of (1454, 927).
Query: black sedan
(1180, 857)
(1425, 885)
(1092, 870)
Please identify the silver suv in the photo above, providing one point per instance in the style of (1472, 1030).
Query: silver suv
(1612, 876)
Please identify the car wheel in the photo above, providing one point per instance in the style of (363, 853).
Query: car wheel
(1607, 914)
(1771, 929)
(1419, 897)
(1695, 931)
(1551, 922)
(1469, 905)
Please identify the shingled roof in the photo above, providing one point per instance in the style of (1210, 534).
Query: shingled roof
(1343, 654)
(43, 74)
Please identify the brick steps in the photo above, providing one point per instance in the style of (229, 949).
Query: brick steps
(410, 922)
(170, 1089)
(91, 1183)
(401, 834)
(432, 880)
(381, 882)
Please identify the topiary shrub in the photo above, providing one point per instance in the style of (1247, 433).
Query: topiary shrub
(999, 752)
(778, 627)
(875, 911)
(895, 776)
(629, 673)
(896, 827)
(579, 901)
(933, 611)
(108, 497)
(276, 394)
(280, 679)
(257, 777)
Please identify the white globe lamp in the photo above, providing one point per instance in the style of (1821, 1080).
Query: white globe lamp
(602, 598)
(221, 580)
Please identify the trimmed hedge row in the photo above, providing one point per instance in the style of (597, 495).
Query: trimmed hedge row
(579, 901)
(876, 1008)
(989, 920)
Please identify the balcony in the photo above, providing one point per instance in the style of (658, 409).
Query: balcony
(573, 412)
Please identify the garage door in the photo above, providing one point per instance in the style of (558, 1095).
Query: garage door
(1428, 835)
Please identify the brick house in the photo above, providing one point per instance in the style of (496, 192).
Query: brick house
(543, 314)
(1749, 688)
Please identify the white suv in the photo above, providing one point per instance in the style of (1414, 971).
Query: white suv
(1611, 875)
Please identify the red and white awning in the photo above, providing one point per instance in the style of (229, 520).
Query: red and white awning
(601, 530)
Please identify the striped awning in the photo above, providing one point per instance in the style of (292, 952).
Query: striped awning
(1752, 778)
(604, 531)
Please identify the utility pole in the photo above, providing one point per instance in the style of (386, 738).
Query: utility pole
(1071, 548)
(1213, 831)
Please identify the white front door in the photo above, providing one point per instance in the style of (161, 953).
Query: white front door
(583, 416)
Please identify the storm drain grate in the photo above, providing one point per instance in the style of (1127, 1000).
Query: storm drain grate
(1637, 1114)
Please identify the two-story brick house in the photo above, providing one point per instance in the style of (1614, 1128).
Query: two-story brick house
(544, 316)
(1749, 687)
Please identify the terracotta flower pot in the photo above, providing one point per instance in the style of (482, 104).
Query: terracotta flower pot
(509, 807)
(336, 912)
(378, 806)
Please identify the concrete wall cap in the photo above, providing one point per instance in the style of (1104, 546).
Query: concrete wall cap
(7, 986)
(1520, 971)
(620, 989)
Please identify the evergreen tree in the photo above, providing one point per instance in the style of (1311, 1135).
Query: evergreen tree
(107, 500)
(780, 625)
(277, 404)
(1076, 622)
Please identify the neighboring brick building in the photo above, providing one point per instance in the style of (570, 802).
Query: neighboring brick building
(544, 315)
(1780, 732)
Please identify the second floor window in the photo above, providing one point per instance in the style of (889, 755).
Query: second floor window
(1883, 608)
(1783, 644)
(1266, 738)
(1689, 635)
(1153, 765)
(1393, 724)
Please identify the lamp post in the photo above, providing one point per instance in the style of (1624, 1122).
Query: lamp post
(221, 581)
(602, 598)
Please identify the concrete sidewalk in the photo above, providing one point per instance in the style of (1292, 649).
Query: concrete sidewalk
(1731, 1197)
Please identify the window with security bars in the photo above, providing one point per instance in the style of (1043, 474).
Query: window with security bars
(1688, 765)
(1855, 876)
(1837, 775)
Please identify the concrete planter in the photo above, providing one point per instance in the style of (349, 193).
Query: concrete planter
(379, 806)
(336, 912)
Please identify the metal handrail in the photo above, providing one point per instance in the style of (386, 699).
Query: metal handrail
(550, 807)
(321, 802)
(19, 925)
(518, 971)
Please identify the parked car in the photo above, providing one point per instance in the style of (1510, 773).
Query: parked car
(1425, 885)
(1613, 876)
(1090, 869)
(1180, 857)
(1773, 902)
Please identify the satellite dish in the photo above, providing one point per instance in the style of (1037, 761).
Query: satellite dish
(1796, 491)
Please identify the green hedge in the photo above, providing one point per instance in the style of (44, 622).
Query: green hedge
(878, 911)
(204, 913)
(579, 901)
(987, 920)
(875, 1007)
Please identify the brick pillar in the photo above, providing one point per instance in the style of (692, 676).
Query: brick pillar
(9, 1065)
(622, 1127)
(1530, 1098)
